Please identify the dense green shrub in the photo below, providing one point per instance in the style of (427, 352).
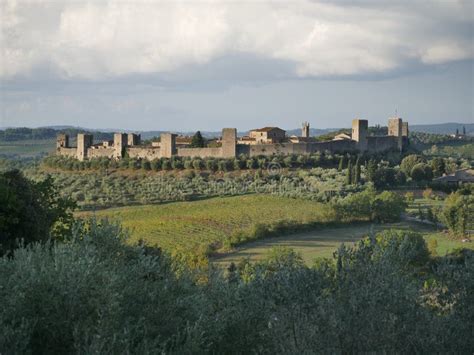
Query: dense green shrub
(95, 294)
(30, 211)
(368, 205)
(421, 172)
(409, 162)
(458, 213)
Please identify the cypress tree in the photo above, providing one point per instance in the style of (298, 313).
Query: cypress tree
(341, 163)
(356, 174)
(371, 170)
(349, 173)
(197, 141)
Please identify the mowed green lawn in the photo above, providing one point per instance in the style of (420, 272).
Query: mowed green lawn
(190, 225)
(323, 242)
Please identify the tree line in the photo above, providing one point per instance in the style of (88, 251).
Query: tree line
(43, 133)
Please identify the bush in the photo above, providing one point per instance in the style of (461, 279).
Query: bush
(155, 164)
(197, 164)
(165, 164)
(146, 165)
(409, 162)
(177, 164)
(30, 211)
(211, 165)
(458, 213)
(96, 294)
(421, 172)
(368, 205)
(188, 164)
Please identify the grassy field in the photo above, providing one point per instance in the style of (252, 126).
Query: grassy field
(30, 148)
(323, 242)
(188, 226)
(206, 225)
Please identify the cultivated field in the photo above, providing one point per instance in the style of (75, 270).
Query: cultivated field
(207, 226)
(189, 226)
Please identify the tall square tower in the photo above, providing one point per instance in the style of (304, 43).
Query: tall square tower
(120, 143)
(395, 126)
(305, 130)
(62, 141)
(168, 145)
(359, 133)
(395, 129)
(133, 139)
(84, 142)
(229, 142)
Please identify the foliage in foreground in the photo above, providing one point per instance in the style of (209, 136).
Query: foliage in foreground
(30, 211)
(96, 294)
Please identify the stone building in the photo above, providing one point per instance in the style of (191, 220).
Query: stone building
(268, 135)
(266, 141)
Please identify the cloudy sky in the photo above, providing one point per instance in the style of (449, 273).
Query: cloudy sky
(176, 65)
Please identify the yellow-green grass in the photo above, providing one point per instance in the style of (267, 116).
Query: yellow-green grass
(446, 244)
(29, 148)
(187, 226)
(323, 242)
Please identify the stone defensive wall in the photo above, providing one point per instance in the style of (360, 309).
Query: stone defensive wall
(200, 152)
(67, 152)
(149, 153)
(341, 146)
(377, 144)
(100, 153)
(129, 145)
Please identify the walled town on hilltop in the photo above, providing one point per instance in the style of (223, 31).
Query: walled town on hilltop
(263, 141)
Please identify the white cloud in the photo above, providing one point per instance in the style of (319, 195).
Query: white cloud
(107, 39)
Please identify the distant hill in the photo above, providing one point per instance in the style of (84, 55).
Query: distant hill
(444, 128)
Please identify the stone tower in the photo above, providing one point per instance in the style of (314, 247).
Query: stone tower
(62, 141)
(120, 143)
(395, 126)
(405, 130)
(133, 139)
(229, 143)
(360, 132)
(305, 130)
(168, 145)
(395, 129)
(84, 141)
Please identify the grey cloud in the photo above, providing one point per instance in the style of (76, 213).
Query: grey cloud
(88, 40)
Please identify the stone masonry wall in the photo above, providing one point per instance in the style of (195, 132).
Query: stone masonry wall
(148, 153)
(382, 143)
(200, 152)
(100, 153)
(297, 148)
(68, 152)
